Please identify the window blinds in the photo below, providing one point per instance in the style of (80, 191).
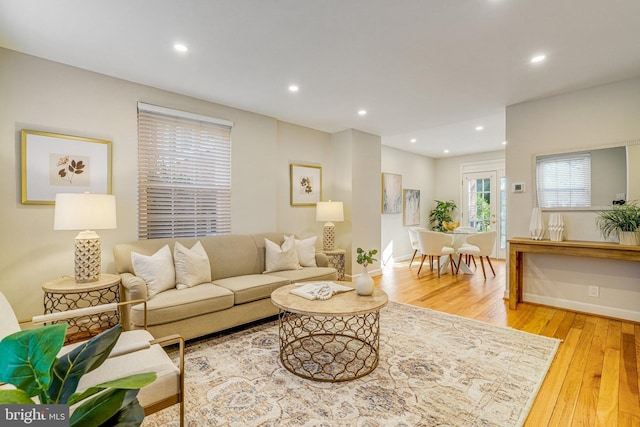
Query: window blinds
(184, 174)
(564, 180)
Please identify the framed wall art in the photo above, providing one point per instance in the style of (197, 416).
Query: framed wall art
(391, 193)
(306, 184)
(411, 207)
(54, 163)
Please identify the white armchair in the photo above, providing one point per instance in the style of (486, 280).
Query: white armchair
(480, 245)
(135, 352)
(434, 244)
(415, 245)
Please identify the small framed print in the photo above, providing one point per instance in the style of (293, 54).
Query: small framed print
(391, 193)
(54, 163)
(306, 184)
(411, 207)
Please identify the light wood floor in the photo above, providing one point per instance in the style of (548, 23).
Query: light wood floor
(594, 378)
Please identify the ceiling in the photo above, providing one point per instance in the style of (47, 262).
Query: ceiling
(432, 70)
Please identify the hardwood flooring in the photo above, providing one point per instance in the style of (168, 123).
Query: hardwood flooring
(594, 378)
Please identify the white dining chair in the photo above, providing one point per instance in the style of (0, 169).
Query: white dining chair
(480, 245)
(435, 245)
(415, 245)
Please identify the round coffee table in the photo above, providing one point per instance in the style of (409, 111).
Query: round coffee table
(329, 340)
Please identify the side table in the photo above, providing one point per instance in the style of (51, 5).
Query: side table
(65, 294)
(336, 260)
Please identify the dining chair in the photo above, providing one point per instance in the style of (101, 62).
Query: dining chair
(435, 245)
(480, 245)
(415, 245)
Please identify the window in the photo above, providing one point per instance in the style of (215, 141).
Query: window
(564, 180)
(184, 174)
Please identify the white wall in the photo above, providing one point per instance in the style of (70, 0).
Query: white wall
(418, 173)
(41, 95)
(595, 117)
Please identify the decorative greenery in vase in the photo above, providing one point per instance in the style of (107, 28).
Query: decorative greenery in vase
(365, 258)
(30, 363)
(442, 213)
(619, 218)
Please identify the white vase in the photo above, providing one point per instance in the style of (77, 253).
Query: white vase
(629, 238)
(536, 226)
(364, 283)
(556, 227)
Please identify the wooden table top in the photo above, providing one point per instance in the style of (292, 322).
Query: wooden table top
(342, 304)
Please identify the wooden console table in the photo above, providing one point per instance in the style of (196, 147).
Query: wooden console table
(518, 246)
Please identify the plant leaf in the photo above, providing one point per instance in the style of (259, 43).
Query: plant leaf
(130, 415)
(14, 397)
(96, 411)
(27, 357)
(131, 382)
(82, 359)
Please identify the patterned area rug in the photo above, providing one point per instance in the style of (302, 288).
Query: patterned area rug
(435, 370)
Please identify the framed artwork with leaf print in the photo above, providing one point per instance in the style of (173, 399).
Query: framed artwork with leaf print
(306, 184)
(54, 163)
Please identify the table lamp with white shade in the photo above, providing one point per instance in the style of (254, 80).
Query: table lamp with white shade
(87, 212)
(329, 212)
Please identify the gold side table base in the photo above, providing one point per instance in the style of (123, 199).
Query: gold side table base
(329, 348)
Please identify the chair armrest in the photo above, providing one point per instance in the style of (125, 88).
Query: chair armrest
(169, 340)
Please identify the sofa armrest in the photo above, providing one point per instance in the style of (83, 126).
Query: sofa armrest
(132, 288)
(322, 260)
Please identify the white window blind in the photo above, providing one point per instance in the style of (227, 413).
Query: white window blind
(564, 180)
(184, 174)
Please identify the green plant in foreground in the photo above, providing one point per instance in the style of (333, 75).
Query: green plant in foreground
(365, 258)
(30, 363)
(619, 218)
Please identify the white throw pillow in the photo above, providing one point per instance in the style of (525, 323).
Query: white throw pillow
(306, 250)
(156, 270)
(192, 265)
(278, 258)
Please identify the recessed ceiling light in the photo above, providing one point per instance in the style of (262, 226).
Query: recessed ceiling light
(362, 112)
(538, 59)
(479, 127)
(504, 142)
(180, 47)
(446, 151)
(293, 88)
(413, 140)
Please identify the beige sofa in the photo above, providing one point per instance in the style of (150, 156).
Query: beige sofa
(239, 291)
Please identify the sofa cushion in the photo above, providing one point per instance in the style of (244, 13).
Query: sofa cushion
(306, 250)
(156, 270)
(174, 304)
(192, 265)
(252, 287)
(308, 273)
(282, 257)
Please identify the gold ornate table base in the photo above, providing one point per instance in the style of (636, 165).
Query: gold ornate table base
(329, 348)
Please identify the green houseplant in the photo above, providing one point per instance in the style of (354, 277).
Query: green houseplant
(442, 213)
(30, 363)
(364, 282)
(622, 221)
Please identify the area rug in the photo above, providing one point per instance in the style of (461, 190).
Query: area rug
(435, 370)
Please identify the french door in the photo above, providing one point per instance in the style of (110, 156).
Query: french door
(483, 207)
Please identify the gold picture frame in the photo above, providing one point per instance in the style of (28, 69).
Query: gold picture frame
(55, 163)
(305, 184)
(391, 193)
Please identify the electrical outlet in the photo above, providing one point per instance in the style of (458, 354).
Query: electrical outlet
(594, 291)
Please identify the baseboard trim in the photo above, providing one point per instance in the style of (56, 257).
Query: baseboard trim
(618, 313)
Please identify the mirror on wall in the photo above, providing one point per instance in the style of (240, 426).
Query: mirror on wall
(588, 179)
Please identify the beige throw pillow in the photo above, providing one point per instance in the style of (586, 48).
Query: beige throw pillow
(278, 258)
(306, 250)
(156, 270)
(192, 265)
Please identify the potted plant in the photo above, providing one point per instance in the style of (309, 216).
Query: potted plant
(30, 363)
(364, 283)
(621, 220)
(442, 213)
